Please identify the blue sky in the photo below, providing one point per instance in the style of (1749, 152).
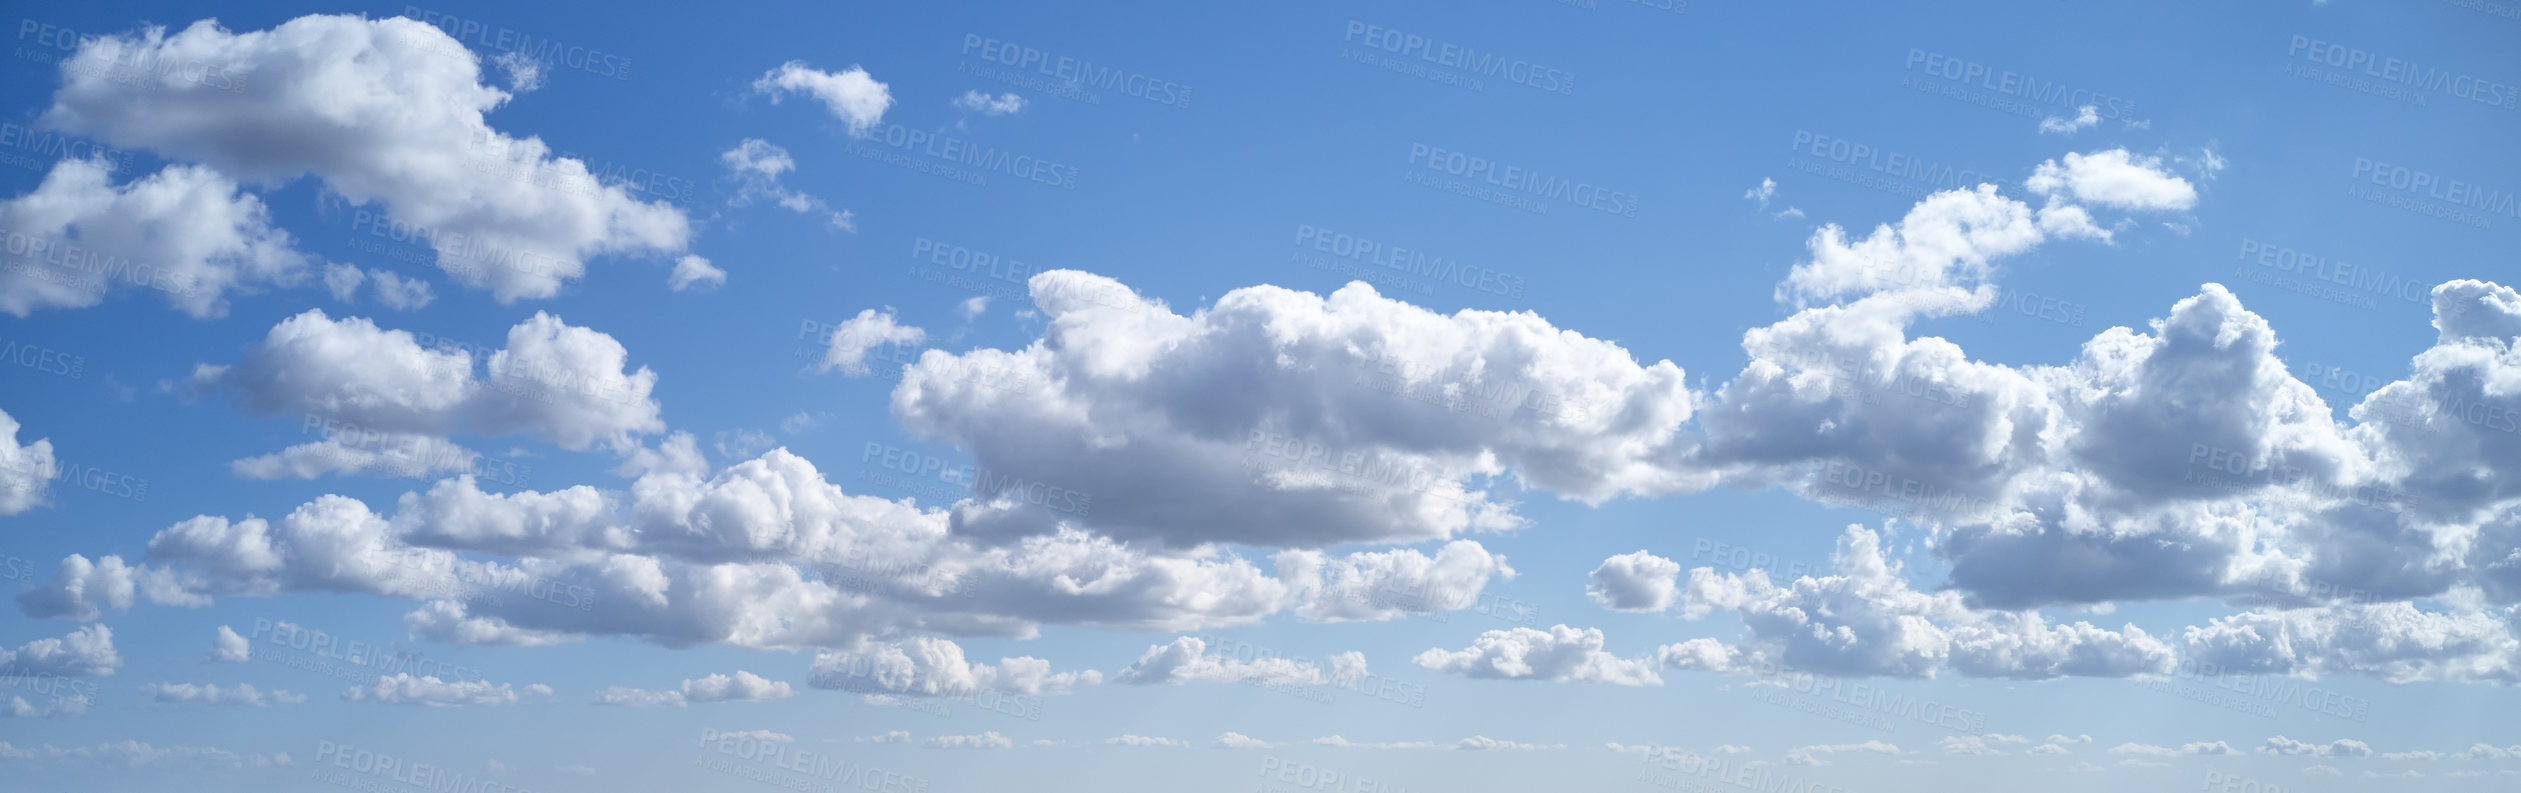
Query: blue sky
(710, 398)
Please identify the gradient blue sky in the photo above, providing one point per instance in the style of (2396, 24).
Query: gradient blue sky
(1682, 111)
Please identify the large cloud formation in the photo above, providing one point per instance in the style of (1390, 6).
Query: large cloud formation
(383, 111)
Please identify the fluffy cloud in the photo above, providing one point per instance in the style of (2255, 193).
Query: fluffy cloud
(564, 383)
(847, 348)
(2186, 749)
(25, 470)
(2342, 747)
(2113, 178)
(382, 111)
(184, 231)
(85, 652)
(853, 96)
(1637, 581)
(1561, 654)
(693, 272)
(742, 687)
(1236, 740)
(228, 647)
(1868, 620)
(239, 694)
(1382, 585)
(1282, 418)
(404, 689)
(1142, 740)
(933, 667)
(1187, 660)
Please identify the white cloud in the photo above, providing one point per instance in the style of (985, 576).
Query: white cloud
(933, 667)
(987, 105)
(692, 272)
(1141, 740)
(756, 165)
(25, 470)
(229, 647)
(405, 689)
(986, 740)
(1767, 189)
(2085, 116)
(185, 232)
(524, 72)
(2342, 747)
(853, 96)
(1236, 740)
(1382, 585)
(1636, 581)
(1868, 620)
(742, 687)
(555, 380)
(848, 346)
(2113, 178)
(87, 651)
(1561, 654)
(376, 110)
(1187, 660)
(239, 694)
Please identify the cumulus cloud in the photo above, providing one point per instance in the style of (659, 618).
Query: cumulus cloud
(564, 383)
(852, 95)
(392, 291)
(1187, 660)
(2186, 749)
(1868, 620)
(185, 232)
(1288, 419)
(376, 110)
(1382, 585)
(1637, 581)
(932, 667)
(87, 651)
(2113, 178)
(26, 470)
(2342, 747)
(228, 647)
(742, 687)
(1561, 654)
(1236, 740)
(848, 346)
(405, 689)
(694, 273)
